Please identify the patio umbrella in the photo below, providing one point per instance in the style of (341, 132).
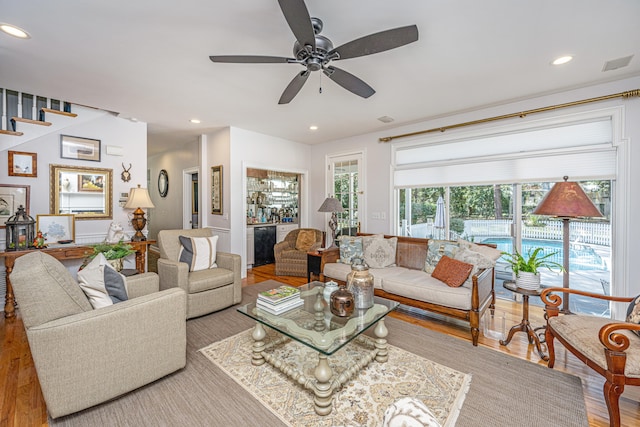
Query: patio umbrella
(439, 221)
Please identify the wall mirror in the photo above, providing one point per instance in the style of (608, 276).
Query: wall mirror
(83, 191)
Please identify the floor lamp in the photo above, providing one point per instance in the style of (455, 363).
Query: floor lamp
(566, 200)
(333, 205)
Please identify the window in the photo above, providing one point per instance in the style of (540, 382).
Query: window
(345, 178)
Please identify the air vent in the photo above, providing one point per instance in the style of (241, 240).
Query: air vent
(614, 64)
(386, 119)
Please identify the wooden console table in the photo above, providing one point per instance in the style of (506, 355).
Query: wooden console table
(62, 252)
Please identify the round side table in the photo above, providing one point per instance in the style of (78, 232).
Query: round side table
(524, 325)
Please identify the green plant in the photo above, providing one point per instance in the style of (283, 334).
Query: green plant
(533, 261)
(112, 250)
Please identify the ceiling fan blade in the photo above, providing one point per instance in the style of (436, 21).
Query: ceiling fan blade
(294, 87)
(299, 20)
(349, 82)
(250, 59)
(377, 42)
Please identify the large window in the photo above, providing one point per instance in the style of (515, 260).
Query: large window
(345, 182)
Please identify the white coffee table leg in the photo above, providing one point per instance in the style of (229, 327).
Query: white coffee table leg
(322, 387)
(381, 333)
(258, 336)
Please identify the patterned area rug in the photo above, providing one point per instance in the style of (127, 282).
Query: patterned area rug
(360, 402)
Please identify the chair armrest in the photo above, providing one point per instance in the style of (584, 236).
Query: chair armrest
(233, 263)
(613, 340)
(482, 286)
(553, 301)
(279, 247)
(93, 356)
(173, 274)
(142, 284)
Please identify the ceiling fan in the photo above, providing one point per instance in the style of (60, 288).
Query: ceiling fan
(314, 51)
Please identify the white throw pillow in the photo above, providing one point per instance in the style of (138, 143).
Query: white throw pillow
(485, 250)
(199, 253)
(101, 283)
(381, 253)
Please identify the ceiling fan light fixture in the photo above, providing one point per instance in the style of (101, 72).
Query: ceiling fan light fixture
(313, 127)
(562, 60)
(195, 121)
(14, 31)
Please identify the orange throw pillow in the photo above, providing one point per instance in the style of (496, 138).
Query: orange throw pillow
(451, 271)
(306, 239)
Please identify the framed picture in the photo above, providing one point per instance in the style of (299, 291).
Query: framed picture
(11, 198)
(216, 190)
(23, 164)
(194, 197)
(56, 228)
(77, 148)
(90, 183)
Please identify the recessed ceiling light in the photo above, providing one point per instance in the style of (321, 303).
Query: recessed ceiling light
(386, 119)
(14, 31)
(195, 121)
(562, 60)
(313, 127)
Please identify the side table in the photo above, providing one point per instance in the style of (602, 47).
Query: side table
(524, 325)
(314, 263)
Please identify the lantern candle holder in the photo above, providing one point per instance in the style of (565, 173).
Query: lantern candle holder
(20, 231)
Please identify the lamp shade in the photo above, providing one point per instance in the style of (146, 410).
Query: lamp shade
(331, 204)
(139, 198)
(567, 200)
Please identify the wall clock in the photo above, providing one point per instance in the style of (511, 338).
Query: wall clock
(163, 183)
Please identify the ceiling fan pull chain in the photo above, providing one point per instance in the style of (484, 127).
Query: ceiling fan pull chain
(320, 89)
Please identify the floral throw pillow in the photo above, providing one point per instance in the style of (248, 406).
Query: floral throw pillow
(633, 313)
(350, 247)
(436, 250)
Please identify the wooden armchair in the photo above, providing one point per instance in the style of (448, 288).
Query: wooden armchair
(607, 346)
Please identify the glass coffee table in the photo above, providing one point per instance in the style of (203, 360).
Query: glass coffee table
(314, 326)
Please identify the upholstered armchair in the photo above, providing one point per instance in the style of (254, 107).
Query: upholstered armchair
(609, 347)
(85, 356)
(208, 290)
(291, 253)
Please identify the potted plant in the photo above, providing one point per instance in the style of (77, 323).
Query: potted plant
(113, 252)
(526, 267)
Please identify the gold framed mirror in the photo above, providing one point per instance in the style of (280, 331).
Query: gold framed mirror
(83, 191)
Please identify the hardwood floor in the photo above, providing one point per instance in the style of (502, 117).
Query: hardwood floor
(22, 403)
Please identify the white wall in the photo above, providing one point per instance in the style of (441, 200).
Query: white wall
(378, 163)
(167, 213)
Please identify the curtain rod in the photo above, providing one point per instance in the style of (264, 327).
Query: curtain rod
(624, 95)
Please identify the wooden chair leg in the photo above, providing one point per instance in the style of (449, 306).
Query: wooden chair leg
(475, 333)
(612, 394)
(548, 338)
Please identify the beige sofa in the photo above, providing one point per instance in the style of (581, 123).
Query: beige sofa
(83, 356)
(207, 290)
(407, 283)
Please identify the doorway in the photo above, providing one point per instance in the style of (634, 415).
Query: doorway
(191, 198)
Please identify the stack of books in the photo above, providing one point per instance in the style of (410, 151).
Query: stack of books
(279, 300)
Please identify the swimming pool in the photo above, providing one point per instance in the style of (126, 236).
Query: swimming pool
(581, 256)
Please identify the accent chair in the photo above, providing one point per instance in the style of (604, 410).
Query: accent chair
(291, 253)
(207, 290)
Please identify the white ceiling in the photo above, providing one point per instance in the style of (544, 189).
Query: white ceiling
(149, 59)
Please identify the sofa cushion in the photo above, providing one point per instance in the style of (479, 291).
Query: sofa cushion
(305, 239)
(436, 249)
(339, 271)
(381, 253)
(204, 280)
(633, 313)
(101, 283)
(451, 271)
(350, 247)
(199, 253)
(418, 285)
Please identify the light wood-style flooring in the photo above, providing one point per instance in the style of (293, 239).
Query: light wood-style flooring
(22, 403)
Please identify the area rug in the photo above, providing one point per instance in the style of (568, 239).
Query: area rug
(360, 402)
(505, 391)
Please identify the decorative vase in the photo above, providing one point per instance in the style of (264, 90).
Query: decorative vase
(342, 303)
(528, 281)
(329, 288)
(116, 263)
(360, 283)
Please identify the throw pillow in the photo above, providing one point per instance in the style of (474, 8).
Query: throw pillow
(437, 249)
(476, 259)
(381, 253)
(305, 239)
(633, 313)
(487, 251)
(199, 253)
(451, 271)
(101, 283)
(350, 247)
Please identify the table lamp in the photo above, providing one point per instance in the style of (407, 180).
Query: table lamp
(333, 205)
(138, 199)
(566, 200)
